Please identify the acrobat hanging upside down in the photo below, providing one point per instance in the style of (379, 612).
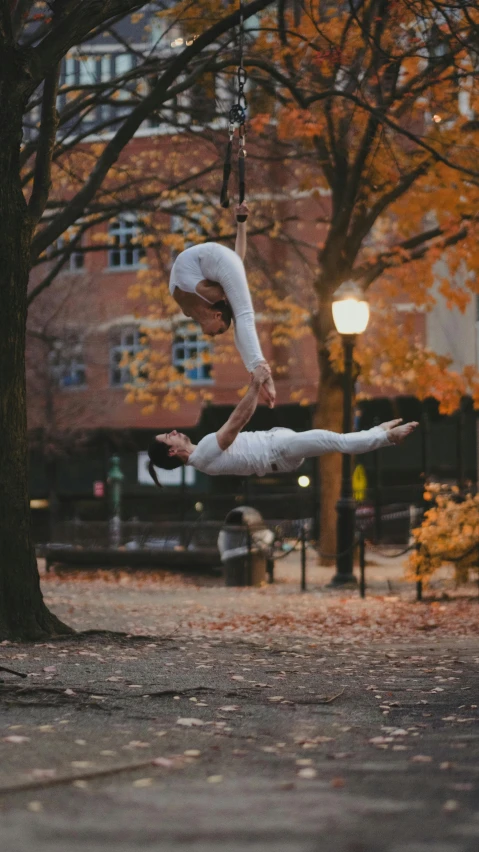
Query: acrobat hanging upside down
(208, 282)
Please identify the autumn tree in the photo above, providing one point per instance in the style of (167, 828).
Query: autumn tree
(370, 122)
(34, 40)
(375, 116)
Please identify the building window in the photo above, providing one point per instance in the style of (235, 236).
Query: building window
(191, 224)
(87, 70)
(125, 344)
(67, 364)
(112, 68)
(76, 261)
(125, 252)
(183, 227)
(192, 354)
(79, 72)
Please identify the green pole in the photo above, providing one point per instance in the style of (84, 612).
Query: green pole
(115, 481)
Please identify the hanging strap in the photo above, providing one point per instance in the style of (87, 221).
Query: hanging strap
(241, 178)
(224, 198)
(237, 116)
(242, 164)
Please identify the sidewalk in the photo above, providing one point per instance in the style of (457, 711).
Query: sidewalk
(256, 719)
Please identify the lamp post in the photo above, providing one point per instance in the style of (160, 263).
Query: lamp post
(351, 316)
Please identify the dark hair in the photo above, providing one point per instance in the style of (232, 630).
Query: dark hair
(158, 453)
(225, 310)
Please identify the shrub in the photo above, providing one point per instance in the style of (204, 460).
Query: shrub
(448, 533)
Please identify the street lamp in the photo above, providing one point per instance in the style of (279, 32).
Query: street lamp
(351, 316)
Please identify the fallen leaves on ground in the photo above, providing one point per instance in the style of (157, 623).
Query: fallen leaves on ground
(139, 601)
(16, 738)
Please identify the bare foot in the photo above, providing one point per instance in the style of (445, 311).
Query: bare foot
(397, 434)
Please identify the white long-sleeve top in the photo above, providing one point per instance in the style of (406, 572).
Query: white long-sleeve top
(220, 264)
(279, 450)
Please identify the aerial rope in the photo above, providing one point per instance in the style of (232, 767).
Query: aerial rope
(237, 118)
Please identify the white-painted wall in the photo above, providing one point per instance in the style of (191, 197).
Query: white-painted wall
(450, 332)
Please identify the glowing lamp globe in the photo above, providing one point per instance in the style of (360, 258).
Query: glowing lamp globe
(350, 309)
(303, 481)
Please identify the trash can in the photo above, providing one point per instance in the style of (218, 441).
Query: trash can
(244, 544)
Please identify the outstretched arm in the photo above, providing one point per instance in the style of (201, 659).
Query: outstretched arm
(244, 410)
(241, 217)
(235, 286)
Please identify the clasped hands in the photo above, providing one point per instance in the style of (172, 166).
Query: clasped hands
(261, 376)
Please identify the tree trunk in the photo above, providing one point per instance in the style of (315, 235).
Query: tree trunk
(328, 415)
(23, 614)
(53, 501)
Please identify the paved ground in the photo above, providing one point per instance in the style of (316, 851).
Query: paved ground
(244, 720)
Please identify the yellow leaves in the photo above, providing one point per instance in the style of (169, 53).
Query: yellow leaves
(449, 532)
(147, 240)
(97, 149)
(276, 229)
(298, 396)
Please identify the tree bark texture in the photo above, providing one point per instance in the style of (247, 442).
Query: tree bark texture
(23, 614)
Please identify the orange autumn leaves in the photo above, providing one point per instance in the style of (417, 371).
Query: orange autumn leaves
(326, 50)
(449, 533)
(332, 85)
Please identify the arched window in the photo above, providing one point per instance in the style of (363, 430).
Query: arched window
(192, 353)
(126, 251)
(67, 364)
(125, 344)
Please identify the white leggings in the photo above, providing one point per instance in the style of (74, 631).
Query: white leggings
(290, 448)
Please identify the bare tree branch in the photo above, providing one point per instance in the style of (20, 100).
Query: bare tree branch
(365, 220)
(6, 33)
(49, 279)
(74, 22)
(416, 246)
(400, 129)
(125, 133)
(81, 18)
(46, 143)
(20, 12)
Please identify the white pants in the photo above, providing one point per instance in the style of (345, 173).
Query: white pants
(289, 449)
